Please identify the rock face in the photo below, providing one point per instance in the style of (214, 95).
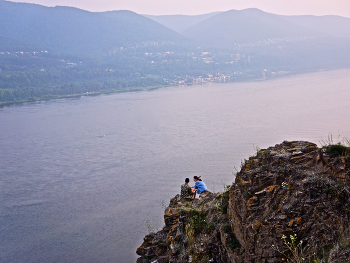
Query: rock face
(291, 189)
(194, 231)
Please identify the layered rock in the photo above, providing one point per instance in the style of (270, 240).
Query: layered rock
(292, 189)
(194, 231)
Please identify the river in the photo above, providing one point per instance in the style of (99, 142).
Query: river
(84, 179)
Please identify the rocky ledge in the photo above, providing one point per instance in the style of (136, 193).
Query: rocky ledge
(292, 189)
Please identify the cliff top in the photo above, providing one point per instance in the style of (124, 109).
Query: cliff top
(293, 189)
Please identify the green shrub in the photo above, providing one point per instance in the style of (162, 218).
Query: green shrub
(218, 196)
(210, 226)
(335, 150)
(223, 208)
(197, 220)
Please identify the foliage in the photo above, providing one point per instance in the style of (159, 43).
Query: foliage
(78, 31)
(224, 199)
(338, 149)
(296, 251)
(78, 52)
(197, 220)
(37, 75)
(150, 227)
(218, 196)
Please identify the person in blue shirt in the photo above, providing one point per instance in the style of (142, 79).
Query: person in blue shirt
(199, 186)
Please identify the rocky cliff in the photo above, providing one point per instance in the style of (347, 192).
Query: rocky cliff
(293, 189)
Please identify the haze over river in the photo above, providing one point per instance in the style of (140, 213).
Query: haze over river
(80, 178)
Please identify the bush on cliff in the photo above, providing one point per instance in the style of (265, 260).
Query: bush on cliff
(335, 150)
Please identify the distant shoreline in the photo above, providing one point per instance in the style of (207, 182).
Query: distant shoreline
(136, 89)
(9, 103)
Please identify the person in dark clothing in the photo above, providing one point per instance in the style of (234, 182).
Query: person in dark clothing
(186, 190)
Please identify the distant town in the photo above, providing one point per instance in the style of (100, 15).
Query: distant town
(221, 60)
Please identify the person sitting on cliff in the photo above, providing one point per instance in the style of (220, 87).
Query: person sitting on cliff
(186, 190)
(199, 187)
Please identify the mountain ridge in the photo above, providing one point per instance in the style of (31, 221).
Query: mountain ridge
(74, 30)
(60, 51)
(179, 22)
(251, 25)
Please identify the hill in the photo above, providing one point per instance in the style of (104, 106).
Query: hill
(242, 27)
(330, 26)
(13, 45)
(68, 29)
(253, 26)
(49, 52)
(180, 23)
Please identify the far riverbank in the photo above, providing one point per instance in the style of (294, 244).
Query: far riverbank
(196, 81)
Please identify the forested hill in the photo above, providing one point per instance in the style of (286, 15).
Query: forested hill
(243, 27)
(49, 52)
(179, 23)
(73, 30)
(331, 26)
(253, 26)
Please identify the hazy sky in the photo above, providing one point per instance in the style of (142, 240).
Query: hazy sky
(195, 7)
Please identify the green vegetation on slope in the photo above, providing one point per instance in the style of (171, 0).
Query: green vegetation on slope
(62, 51)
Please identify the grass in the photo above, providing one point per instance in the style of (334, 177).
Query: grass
(224, 198)
(197, 220)
(335, 150)
(296, 250)
(150, 227)
(218, 196)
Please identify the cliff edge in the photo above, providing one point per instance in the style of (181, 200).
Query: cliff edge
(293, 189)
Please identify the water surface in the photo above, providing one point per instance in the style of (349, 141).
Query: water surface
(80, 178)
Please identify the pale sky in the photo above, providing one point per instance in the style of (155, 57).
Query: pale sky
(195, 7)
